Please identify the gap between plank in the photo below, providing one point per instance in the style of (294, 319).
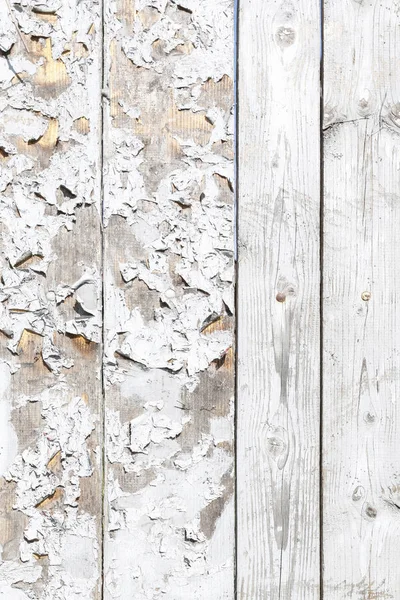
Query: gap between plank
(102, 254)
(321, 301)
(236, 274)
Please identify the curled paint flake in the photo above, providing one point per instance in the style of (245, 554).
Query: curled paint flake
(10, 573)
(193, 532)
(152, 428)
(22, 123)
(124, 184)
(53, 358)
(129, 443)
(131, 111)
(7, 29)
(86, 291)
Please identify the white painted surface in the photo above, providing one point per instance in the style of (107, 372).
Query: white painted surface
(8, 436)
(361, 300)
(278, 301)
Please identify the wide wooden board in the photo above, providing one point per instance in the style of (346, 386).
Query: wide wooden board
(168, 276)
(50, 310)
(278, 393)
(361, 343)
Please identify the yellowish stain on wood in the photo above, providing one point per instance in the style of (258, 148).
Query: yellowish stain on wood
(40, 150)
(223, 323)
(83, 345)
(47, 17)
(30, 346)
(50, 136)
(78, 49)
(54, 464)
(126, 12)
(49, 502)
(187, 124)
(82, 125)
(53, 73)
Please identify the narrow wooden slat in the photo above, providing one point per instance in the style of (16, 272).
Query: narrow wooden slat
(50, 310)
(361, 300)
(278, 301)
(168, 299)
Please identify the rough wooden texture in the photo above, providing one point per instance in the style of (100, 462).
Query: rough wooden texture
(278, 301)
(50, 324)
(168, 271)
(361, 300)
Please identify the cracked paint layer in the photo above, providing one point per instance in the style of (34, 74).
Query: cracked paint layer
(168, 290)
(50, 300)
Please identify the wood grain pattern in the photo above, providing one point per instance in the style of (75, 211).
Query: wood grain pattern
(168, 299)
(50, 357)
(160, 253)
(278, 301)
(361, 300)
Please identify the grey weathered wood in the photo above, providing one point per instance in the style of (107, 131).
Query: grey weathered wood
(50, 357)
(278, 301)
(361, 300)
(168, 300)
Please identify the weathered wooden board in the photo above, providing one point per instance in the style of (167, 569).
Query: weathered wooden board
(361, 300)
(168, 271)
(278, 301)
(50, 310)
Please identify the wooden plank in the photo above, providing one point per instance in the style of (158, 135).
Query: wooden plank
(168, 299)
(278, 301)
(50, 310)
(361, 300)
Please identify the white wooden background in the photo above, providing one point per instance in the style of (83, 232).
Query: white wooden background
(157, 442)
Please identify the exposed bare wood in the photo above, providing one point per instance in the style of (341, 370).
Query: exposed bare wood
(278, 301)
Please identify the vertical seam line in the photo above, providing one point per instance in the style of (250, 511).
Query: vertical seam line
(102, 426)
(236, 264)
(321, 308)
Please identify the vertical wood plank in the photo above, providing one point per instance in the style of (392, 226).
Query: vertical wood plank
(361, 299)
(168, 299)
(50, 310)
(278, 300)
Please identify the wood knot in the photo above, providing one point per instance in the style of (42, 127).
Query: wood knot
(329, 116)
(370, 512)
(395, 110)
(285, 291)
(364, 103)
(285, 36)
(277, 445)
(369, 418)
(358, 493)
(392, 117)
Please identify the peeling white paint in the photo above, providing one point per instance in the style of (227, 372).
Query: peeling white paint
(169, 471)
(50, 72)
(8, 436)
(166, 300)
